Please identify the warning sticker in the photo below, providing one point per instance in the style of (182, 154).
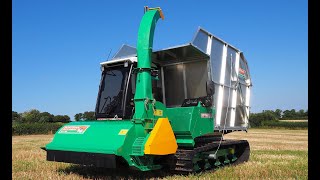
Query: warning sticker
(79, 129)
(158, 112)
(123, 132)
(206, 115)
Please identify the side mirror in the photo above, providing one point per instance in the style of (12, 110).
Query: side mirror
(210, 88)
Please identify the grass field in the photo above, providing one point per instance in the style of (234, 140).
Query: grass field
(295, 120)
(275, 154)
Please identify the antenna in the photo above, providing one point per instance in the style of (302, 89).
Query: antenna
(109, 54)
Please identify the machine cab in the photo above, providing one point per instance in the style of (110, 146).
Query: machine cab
(117, 88)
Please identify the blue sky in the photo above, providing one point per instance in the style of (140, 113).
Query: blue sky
(57, 46)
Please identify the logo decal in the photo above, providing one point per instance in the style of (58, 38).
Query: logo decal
(242, 73)
(78, 129)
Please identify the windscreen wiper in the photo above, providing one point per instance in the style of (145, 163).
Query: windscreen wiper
(105, 101)
(113, 104)
(110, 107)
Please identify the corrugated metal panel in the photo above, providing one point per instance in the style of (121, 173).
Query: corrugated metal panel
(215, 57)
(201, 41)
(233, 74)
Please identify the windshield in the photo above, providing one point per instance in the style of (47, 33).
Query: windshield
(115, 97)
(111, 93)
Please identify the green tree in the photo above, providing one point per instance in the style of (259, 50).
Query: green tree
(289, 114)
(66, 118)
(278, 113)
(61, 118)
(300, 114)
(16, 116)
(46, 117)
(31, 116)
(256, 119)
(78, 116)
(269, 114)
(89, 115)
(306, 114)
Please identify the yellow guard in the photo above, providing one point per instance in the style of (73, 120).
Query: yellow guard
(161, 140)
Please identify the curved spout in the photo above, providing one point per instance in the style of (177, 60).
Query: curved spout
(144, 52)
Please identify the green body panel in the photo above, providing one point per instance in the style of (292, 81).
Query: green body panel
(188, 124)
(105, 137)
(95, 139)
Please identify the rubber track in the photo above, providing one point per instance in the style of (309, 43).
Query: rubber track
(184, 156)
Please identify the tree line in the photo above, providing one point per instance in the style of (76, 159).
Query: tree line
(256, 119)
(35, 116)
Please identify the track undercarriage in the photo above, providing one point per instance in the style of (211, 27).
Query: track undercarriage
(208, 154)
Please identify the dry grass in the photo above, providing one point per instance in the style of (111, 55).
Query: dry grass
(275, 154)
(295, 120)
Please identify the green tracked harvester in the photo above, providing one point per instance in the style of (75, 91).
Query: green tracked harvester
(164, 109)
